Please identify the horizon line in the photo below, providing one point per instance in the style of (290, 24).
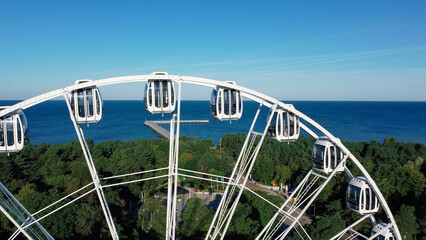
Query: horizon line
(245, 100)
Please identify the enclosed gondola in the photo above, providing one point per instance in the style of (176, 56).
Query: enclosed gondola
(160, 95)
(326, 156)
(386, 234)
(86, 103)
(360, 197)
(14, 132)
(284, 126)
(226, 104)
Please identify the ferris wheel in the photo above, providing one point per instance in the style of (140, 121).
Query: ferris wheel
(163, 95)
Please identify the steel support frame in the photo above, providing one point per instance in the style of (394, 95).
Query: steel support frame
(49, 206)
(170, 179)
(243, 166)
(266, 230)
(355, 235)
(238, 185)
(389, 226)
(245, 92)
(18, 207)
(341, 233)
(93, 172)
(87, 193)
(314, 194)
(171, 221)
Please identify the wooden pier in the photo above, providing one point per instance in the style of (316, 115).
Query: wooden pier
(155, 126)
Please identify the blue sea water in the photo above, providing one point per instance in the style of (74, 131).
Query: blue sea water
(350, 121)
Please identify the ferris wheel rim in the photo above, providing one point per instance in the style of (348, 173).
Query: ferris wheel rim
(261, 98)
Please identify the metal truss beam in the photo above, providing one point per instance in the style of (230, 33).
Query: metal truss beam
(242, 168)
(340, 234)
(19, 216)
(93, 173)
(302, 193)
(389, 226)
(171, 221)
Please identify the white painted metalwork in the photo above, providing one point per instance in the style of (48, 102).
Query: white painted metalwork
(204, 174)
(171, 215)
(303, 195)
(59, 208)
(232, 184)
(93, 172)
(171, 221)
(242, 168)
(382, 232)
(19, 216)
(360, 198)
(326, 156)
(341, 233)
(244, 163)
(285, 126)
(14, 131)
(311, 197)
(86, 103)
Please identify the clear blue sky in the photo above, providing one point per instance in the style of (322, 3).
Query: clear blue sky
(290, 50)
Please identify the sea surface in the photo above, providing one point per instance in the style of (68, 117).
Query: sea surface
(350, 121)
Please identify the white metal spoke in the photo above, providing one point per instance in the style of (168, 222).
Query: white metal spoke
(340, 234)
(303, 193)
(203, 173)
(176, 161)
(318, 191)
(53, 204)
(224, 201)
(227, 197)
(266, 229)
(61, 207)
(356, 235)
(134, 181)
(170, 189)
(171, 221)
(244, 168)
(93, 173)
(206, 179)
(389, 226)
(62, 199)
(132, 174)
(19, 216)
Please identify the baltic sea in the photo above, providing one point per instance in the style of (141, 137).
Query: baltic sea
(350, 121)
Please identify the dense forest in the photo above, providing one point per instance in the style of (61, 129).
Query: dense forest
(40, 175)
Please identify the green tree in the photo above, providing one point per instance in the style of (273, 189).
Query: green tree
(196, 219)
(152, 216)
(407, 222)
(416, 181)
(326, 227)
(263, 169)
(282, 174)
(242, 225)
